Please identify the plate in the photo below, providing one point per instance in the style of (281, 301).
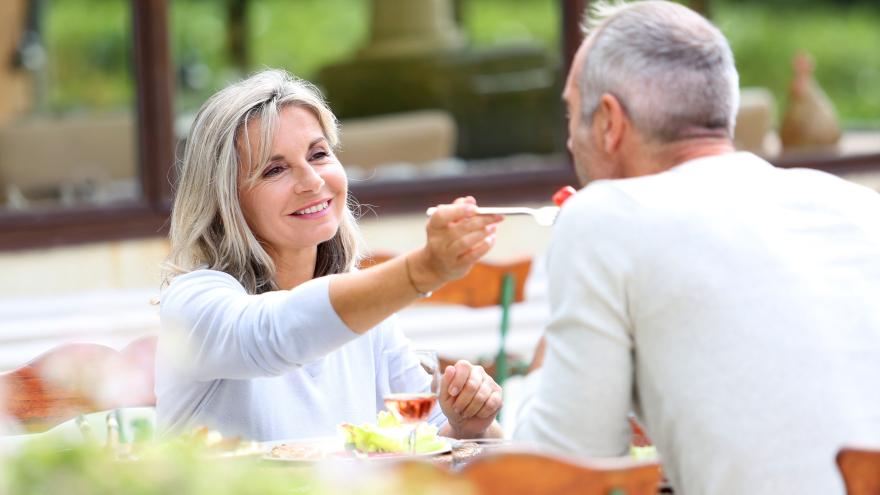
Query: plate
(251, 449)
(333, 449)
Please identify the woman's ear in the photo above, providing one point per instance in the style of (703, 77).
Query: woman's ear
(613, 123)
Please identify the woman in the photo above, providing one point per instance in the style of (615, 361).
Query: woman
(269, 331)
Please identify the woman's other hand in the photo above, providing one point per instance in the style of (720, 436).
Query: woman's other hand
(457, 238)
(470, 399)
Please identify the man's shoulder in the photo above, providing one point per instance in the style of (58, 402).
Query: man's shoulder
(619, 197)
(656, 199)
(601, 212)
(609, 192)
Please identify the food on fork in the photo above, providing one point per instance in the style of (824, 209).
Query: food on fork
(544, 216)
(563, 194)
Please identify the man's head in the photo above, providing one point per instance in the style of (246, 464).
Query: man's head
(649, 76)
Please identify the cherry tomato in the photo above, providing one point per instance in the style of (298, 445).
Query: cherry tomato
(563, 194)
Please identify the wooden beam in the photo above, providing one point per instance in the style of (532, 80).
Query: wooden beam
(153, 81)
(572, 33)
(238, 34)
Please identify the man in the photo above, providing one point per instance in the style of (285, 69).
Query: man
(731, 305)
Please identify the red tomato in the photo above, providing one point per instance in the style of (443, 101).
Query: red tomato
(563, 194)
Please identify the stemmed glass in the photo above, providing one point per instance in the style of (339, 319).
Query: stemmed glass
(415, 407)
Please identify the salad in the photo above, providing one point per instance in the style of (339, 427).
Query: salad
(390, 435)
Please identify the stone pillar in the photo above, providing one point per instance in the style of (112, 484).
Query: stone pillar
(411, 28)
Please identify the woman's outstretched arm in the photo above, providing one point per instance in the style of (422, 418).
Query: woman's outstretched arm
(456, 238)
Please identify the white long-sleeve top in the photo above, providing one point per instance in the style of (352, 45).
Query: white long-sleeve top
(279, 365)
(734, 306)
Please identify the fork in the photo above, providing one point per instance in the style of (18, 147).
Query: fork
(544, 216)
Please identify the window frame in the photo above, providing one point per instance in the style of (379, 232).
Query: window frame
(142, 218)
(148, 217)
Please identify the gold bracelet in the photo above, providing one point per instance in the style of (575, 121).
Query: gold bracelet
(411, 281)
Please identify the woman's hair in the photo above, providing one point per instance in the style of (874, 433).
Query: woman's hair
(208, 228)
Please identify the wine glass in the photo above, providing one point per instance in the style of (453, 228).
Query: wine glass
(415, 407)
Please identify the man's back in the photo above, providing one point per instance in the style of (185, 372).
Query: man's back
(742, 299)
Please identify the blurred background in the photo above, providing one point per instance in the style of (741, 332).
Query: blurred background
(437, 98)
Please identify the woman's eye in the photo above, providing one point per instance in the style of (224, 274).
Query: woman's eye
(320, 155)
(273, 170)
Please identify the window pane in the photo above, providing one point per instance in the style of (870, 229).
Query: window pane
(67, 122)
(423, 88)
(841, 37)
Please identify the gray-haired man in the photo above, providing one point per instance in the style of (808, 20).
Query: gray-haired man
(732, 305)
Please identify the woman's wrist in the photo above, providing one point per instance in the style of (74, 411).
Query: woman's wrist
(422, 277)
(412, 281)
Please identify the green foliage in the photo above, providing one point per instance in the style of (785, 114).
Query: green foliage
(178, 466)
(299, 36)
(89, 61)
(491, 22)
(46, 467)
(843, 43)
(90, 66)
(801, 3)
(306, 35)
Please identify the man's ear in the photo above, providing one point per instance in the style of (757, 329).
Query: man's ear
(613, 123)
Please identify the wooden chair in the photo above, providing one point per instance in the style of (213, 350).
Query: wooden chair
(860, 469)
(487, 284)
(75, 379)
(480, 288)
(419, 476)
(526, 473)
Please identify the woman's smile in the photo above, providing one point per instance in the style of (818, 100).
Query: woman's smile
(315, 210)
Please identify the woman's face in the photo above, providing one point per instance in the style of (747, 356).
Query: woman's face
(298, 199)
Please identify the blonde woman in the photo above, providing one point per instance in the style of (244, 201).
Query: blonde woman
(269, 331)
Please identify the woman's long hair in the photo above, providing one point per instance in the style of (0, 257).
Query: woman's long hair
(208, 228)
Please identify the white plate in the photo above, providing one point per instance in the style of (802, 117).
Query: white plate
(333, 449)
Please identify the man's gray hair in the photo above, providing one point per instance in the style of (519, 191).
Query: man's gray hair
(670, 68)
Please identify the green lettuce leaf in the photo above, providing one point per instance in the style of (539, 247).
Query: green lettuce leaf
(390, 435)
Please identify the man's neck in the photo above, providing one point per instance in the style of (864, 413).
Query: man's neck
(664, 156)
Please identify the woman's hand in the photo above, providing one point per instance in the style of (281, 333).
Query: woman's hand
(470, 399)
(457, 238)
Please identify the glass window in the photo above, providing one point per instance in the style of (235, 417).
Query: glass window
(810, 74)
(67, 119)
(423, 88)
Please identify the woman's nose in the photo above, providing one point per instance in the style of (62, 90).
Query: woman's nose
(308, 180)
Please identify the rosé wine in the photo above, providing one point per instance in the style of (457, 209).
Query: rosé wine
(411, 407)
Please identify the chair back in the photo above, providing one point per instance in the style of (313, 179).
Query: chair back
(527, 473)
(80, 378)
(487, 284)
(481, 287)
(515, 473)
(860, 469)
